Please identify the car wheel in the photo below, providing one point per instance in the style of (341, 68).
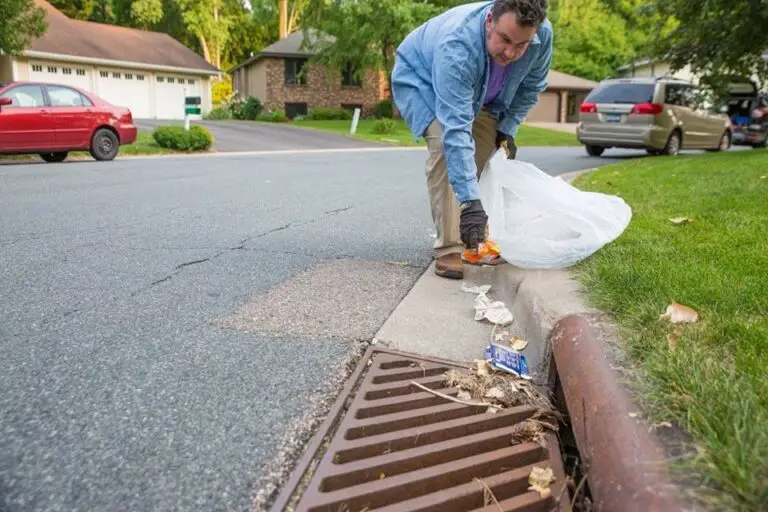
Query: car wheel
(724, 144)
(763, 144)
(673, 144)
(52, 158)
(104, 145)
(594, 150)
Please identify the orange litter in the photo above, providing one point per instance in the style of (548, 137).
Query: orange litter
(487, 253)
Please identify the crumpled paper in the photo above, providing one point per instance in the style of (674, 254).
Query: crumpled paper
(492, 310)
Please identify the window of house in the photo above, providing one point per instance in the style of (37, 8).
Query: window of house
(348, 77)
(139, 77)
(129, 76)
(160, 79)
(37, 68)
(53, 69)
(191, 82)
(115, 74)
(104, 74)
(80, 72)
(171, 80)
(295, 72)
(66, 71)
(25, 96)
(295, 109)
(66, 97)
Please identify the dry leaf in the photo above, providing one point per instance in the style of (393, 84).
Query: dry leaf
(483, 367)
(540, 480)
(495, 393)
(518, 344)
(672, 339)
(464, 395)
(677, 313)
(382, 476)
(677, 221)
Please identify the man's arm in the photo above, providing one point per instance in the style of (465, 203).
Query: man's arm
(453, 76)
(527, 94)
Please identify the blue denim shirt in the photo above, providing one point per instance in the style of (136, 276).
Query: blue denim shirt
(441, 71)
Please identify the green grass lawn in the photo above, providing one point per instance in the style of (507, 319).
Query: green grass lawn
(527, 136)
(713, 381)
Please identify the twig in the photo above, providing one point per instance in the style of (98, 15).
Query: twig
(457, 400)
(490, 492)
(578, 488)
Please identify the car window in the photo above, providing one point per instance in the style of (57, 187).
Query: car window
(25, 96)
(622, 93)
(676, 94)
(66, 97)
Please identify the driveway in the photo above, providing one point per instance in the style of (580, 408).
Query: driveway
(169, 326)
(257, 136)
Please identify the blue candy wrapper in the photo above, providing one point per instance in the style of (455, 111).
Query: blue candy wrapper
(507, 359)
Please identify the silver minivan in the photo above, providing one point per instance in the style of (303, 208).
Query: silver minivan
(660, 115)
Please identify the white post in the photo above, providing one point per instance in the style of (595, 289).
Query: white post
(186, 121)
(355, 120)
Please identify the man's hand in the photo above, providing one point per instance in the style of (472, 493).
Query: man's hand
(472, 223)
(508, 143)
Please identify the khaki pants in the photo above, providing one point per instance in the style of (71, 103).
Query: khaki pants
(445, 209)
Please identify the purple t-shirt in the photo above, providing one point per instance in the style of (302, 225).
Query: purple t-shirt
(496, 81)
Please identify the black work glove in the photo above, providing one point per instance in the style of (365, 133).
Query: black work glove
(472, 223)
(510, 148)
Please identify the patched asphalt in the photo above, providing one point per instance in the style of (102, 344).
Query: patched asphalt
(119, 391)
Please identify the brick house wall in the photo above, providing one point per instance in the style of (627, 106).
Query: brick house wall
(321, 89)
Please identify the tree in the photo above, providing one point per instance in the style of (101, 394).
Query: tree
(362, 34)
(717, 39)
(21, 21)
(591, 40)
(205, 19)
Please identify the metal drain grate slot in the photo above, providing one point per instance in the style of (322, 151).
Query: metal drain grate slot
(400, 448)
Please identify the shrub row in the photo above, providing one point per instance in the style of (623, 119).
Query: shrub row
(198, 138)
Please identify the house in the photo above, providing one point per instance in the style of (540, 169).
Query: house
(148, 72)
(657, 68)
(282, 77)
(561, 100)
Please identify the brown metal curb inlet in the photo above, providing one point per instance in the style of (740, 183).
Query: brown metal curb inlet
(626, 466)
(388, 445)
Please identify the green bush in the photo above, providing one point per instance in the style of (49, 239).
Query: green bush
(329, 114)
(383, 109)
(218, 114)
(384, 127)
(277, 116)
(198, 138)
(252, 108)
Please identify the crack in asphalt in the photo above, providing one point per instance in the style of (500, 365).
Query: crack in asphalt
(178, 269)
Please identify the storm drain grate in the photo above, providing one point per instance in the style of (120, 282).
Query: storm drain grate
(399, 448)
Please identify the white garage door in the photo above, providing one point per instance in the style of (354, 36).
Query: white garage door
(77, 76)
(170, 92)
(126, 88)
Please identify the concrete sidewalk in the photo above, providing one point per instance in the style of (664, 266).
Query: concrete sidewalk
(560, 127)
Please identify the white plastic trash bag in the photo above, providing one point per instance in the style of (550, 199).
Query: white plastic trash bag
(543, 222)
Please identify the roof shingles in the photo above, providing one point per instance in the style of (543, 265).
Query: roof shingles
(87, 39)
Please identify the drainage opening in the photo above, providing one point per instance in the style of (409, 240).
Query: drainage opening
(391, 444)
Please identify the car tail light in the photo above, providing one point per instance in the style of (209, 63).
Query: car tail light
(588, 108)
(759, 112)
(647, 108)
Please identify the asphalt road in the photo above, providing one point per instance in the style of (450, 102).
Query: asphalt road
(164, 321)
(251, 136)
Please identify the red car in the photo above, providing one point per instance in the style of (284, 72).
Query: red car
(54, 119)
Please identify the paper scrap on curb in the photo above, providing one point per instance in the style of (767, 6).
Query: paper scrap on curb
(492, 310)
(507, 359)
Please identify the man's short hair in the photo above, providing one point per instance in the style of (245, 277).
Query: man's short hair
(529, 13)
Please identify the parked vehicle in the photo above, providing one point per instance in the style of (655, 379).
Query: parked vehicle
(661, 115)
(748, 109)
(52, 120)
